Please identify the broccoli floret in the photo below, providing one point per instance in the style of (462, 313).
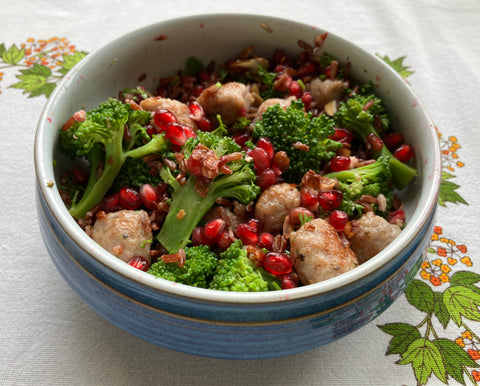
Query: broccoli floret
(101, 138)
(188, 207)
(290, 129)
(236, 272)
(358, 115)
(135, 173)
(371, 180)
(200, 264)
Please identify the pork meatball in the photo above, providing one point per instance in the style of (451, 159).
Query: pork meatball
(274, 204)
(125, 233)
(231, 101)
(324, 91)
(372, 234)
(318, 253)
(181, 110)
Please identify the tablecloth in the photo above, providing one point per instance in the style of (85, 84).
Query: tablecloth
(48, 336)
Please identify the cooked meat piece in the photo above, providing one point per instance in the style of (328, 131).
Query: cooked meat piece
(374, 233)
(231, 101)
(125, 233)
(275, 204)
(181, 110)
(271, 102)
(324, 91)
(318, 253)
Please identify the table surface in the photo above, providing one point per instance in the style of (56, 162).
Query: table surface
(49, 336)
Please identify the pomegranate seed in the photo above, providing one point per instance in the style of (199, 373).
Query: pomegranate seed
(254, 224)
(214, 228)
(205, 124)
(374, 142)
(294, 89)
(330, 199)
(308, 197)
(225, 239)
(197, 90)
(151, 130)
(149, 196)
(196, 111)
(265, 240)
(261, 160)
(280, 68)
(397, 217)
(266, 178)
(111, 203)
(197, 236)
(306, 69)
(340, 162)
(138, 262)
(279, 56)
(80, 176)
(342, 135)
(277, 263)
(246, 234)
(266, 145)
(404, 153)
(287, 282)
(129, 198)
(162, 118)
(176, 133)
(393, 140)
(307, 100)
(298, 215)
(338, 219)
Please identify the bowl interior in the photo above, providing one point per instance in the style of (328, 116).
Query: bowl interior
(161, 49)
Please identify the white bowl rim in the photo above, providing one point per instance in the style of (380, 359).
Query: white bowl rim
(61, 214)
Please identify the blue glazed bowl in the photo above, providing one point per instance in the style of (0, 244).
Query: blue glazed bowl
(214, 323)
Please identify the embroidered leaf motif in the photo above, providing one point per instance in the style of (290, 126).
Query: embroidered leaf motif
(421, 296)
(403, 336)
(34, 81)
(71, 60)
(447, 191)
(398, 65)
(455, 358)
(13, 55)
(440, 310)
(425, 358)
(462, 301)
(464, 278)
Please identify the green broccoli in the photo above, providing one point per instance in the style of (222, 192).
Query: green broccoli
(200, 264)
(135, 173)
(236, 272)
(371, 180)
(101, 138)
(358, 114)
(303, 138)
(187, 206)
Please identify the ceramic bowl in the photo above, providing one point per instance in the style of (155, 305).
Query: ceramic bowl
(214, 323)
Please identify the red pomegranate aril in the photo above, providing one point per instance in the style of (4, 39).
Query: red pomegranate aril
(294, 89)
(149, 196)
(225, 239)
(279, 56)
(266, 178)
(287, 282)
(338, 219)
(277, 263)
(307, 100)
(254, 225)
(129, 198)
(205, 124)
(138, 262)
(111, 203)
(396, 217)
(404, 153)
(175, 132)
(163, 117)
(196, 111)
(308, 197)
(299, 214)
(339, 163)
(80, 176)
(374, 142)
(266, 144)
(246, 234)
(214, 228)
(261, 161)
(265, 240)
(241, 139)
(393, 140)
(330, 199)
(342, 135)
(197, 236)
(306, 69)
(197, 90)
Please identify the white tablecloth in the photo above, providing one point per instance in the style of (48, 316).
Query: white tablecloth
(50, 337)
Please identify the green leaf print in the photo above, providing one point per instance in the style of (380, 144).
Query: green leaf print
(71, 60)
(13, 55)
(403, 336)
(425, 358)
(397, 65)
(421, 296)
(34, 81)
(462, 301)
(447, 191)
(440, 310)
